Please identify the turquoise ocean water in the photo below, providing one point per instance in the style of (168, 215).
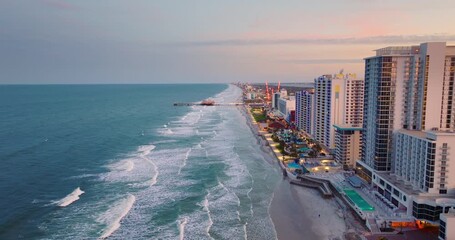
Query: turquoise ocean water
(119, 161)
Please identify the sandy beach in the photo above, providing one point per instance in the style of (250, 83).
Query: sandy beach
(301, 213)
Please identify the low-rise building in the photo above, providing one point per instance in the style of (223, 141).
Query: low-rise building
(420, 185)
(447, 225)
(286, 106)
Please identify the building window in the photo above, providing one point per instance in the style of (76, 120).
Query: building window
(426, 212)
(442, 230)
(396, 192)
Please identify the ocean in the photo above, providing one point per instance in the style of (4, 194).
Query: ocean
(121, 162)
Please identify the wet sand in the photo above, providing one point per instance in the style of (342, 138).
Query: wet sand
(288, 216)
(301, 213)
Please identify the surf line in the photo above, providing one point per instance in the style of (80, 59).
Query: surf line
(70, 198)
(125, 204)
(144, 151)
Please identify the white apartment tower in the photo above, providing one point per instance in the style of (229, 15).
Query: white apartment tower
(353, 114)
(338, 100)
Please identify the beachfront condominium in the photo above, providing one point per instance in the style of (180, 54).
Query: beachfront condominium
(421, 160)
(422, 183)
(347, 144)
(304, 111)
(409, 123)
(338, 100)
(286, 107)
(353, 93)
(322, 103)
(275, 98)
(407, 87)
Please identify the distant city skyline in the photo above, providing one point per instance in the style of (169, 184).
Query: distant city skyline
(70, 42)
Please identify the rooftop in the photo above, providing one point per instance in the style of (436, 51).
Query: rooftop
(415, 133)
(400, 184)
(450, 214)
(347, 127)
(431, 135)
(398, 50)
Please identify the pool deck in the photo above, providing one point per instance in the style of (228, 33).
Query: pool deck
(358, 200)
(373, 219)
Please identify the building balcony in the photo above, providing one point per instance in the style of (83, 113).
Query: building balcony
(439, 165)
(439, 170)
(442, 182)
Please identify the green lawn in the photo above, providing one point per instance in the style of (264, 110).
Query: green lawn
(258, 115)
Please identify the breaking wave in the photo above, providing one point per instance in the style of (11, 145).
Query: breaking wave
(70, 198)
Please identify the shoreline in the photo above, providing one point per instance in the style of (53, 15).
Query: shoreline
(299, 212)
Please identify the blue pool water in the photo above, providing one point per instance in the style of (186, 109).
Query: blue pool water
(294, 165)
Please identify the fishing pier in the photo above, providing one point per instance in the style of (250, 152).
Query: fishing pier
(203, 104)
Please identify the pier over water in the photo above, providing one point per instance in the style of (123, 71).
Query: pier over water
(202, 104)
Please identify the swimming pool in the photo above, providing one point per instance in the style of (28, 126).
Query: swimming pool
(358, 200)
(294, 165)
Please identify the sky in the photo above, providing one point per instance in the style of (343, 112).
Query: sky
(205, 41)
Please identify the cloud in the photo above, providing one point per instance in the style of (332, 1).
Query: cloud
(324, 61)
(384, 39)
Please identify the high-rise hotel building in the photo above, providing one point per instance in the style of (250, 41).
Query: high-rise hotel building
(405, 87)
(304, 111)
(338, 100)
(385, 76)
(408, 129)
(322, 116)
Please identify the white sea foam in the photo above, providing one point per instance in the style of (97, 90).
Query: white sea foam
(124, 165)
(184, 161)
(165, 141)
(154, 180)
(248, 193)
(182, 224)
(146, 149)
(206, 209)
(224, 210)
(244, 229)
(129, 166)
(70, 198)
(83, 176)
(115, 214)
(144, 152)
(186, 125)
(137, 168)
